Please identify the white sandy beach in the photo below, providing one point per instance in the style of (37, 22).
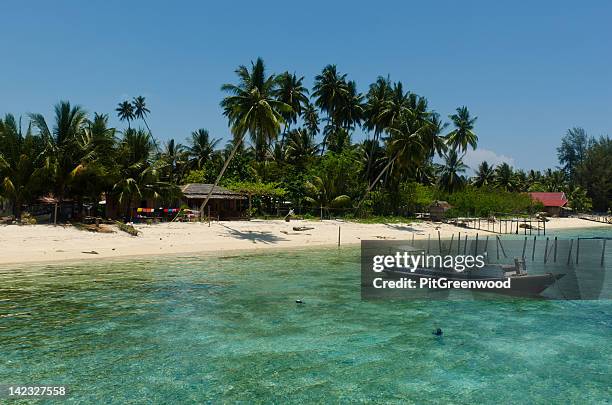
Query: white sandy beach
(46, 243)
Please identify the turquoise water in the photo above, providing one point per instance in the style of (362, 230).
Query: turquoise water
(197, 329)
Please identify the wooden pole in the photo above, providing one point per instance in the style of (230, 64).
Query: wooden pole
(55, 215)
(603, 251)
(428, 240)
(533, 249)
(209, 216)
(577, 249)
(555, 254)
(439, 244)
(451, 243)
(544, 223)
(476, 246)
(502, 247)
(465, 245)
(338, 236)
(459, 243)
(524, 246)
(546, 251)
(569, 253)
(497, 246)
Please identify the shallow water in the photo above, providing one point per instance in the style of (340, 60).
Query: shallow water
(225, 329)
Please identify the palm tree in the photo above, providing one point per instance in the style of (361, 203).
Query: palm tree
(20, 173)
(405, 147)
(310, 115)
(323, 193)
(139, 174)
(433, 140)
(504, 177)
(330, 89)
(450, 175)
(174, 158)
(125, 112)
(201, 148)
(292, 92)
(141, 111)
(251, 108)
(301, 147)
(463, 134)
(351, 110)
(64, 155)
(485, 175)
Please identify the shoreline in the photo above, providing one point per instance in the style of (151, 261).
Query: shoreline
(47, 244)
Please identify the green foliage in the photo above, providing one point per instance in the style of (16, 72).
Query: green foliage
(258, 188)
(472, 201)
(196, 176)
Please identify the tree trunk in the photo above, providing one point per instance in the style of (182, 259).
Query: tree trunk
(227, 161)
(371, 186)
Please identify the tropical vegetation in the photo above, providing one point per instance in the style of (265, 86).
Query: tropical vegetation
(292, 146)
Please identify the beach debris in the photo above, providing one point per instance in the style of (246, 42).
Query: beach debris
(302, 228)
(91, 252)
(294, 233)
(437, 332)
(127, 228)
(289, 215)
(299, 301)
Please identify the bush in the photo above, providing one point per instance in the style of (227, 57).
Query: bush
(483, 202)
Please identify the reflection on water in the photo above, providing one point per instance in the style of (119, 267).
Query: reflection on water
(197, 329)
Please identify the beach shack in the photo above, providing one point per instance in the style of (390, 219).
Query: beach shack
(224, 204)
(553, 202)
(437, 210)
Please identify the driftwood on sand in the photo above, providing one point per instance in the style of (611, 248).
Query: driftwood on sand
(302, 228)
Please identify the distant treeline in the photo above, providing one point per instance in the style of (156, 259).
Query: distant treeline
(292, 144)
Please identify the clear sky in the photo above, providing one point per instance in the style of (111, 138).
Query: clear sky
(528, 70)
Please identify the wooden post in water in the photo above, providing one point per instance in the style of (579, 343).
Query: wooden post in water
(486, 245)
(428, 240)
(451, 243)
(569, 252)
(546, 251)
(603, 251)
(465, 245)
(544, 224)
(439, 244)
(555, 255)
(497, 246)
(577, 249)
(502, 247)
(338, 236)
(525, 226)
(476, 246)
(533, 249)
(459, 243)
(524, 246)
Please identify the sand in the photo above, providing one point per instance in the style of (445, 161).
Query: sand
(47, 243)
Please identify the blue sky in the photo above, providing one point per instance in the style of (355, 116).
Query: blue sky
(528, 70)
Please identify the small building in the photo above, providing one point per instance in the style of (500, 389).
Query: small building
(223, 203)
(552, 202)
(437, 210)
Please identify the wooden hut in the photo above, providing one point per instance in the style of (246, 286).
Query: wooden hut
(223, 203)
(437, 210)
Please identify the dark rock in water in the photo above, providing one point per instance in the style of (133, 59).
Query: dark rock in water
(299, 302)
(437, 332)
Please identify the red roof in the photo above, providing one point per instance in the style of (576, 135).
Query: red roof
(550, 199)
